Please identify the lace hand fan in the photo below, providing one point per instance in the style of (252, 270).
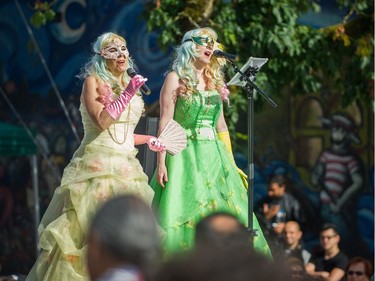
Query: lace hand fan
(173, 137)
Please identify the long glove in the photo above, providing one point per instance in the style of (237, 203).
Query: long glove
(224, 137)
(115, 108)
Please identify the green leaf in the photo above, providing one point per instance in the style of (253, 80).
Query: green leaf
(38, 19)
(50, 14)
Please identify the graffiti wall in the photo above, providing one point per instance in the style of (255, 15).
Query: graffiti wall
(327, 153)
(65, 44)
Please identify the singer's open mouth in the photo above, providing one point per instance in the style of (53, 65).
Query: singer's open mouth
(207, 53)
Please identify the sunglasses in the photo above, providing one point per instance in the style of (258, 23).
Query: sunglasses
(358, 273)
(327, 237)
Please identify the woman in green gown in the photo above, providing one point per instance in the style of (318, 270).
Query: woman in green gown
(203, 178)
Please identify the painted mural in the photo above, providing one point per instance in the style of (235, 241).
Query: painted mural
(334, 154)
(327, 154)
(65, 44)
(326, 151)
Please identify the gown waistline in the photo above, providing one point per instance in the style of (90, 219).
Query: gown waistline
(201, 134)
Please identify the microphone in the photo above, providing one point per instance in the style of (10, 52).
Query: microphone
(221, 54)
(131, 72)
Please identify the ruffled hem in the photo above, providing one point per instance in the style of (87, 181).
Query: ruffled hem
(88, 181)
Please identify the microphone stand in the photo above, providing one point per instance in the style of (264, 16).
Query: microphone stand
(249, 87)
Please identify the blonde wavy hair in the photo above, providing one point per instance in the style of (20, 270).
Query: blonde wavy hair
(183, 64)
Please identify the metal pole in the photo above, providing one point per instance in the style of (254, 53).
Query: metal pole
(250, 168)
(34, 175)
(250, 86)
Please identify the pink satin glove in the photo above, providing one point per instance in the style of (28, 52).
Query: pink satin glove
(155, 144)
(115, 108)
(135, 84)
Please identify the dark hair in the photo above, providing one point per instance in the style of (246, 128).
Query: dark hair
(208, 232)
(127, 229)
(296, 274)
(278, 179)
(295, 261)
(205, 224)
(366, 263)
(329, 225)
(209, 263)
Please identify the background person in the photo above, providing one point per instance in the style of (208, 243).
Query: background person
(293, 243)
(359, 269)
(297, 271)
(330, 263)
(211, 263)
(274, 210)
(123, 241)
(221, 229)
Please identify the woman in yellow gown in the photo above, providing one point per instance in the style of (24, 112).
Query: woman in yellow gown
(104, 165)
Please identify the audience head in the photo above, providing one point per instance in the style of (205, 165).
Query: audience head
(210, 263)
(358, 269)
(221, 229)
(329, 236)
(123, 232)
(292, 234)
(276, 186)
(296, 268)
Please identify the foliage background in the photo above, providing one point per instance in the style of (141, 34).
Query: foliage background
(300, 56)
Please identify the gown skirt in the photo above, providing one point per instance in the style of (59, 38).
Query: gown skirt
(105, 165)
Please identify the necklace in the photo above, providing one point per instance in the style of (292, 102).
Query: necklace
(126, 128)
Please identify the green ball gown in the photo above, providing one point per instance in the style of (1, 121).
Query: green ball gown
(202, 178)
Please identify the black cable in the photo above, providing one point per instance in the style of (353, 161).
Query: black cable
(54, 86)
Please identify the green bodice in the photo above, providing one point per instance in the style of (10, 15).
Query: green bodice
(198, 113)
